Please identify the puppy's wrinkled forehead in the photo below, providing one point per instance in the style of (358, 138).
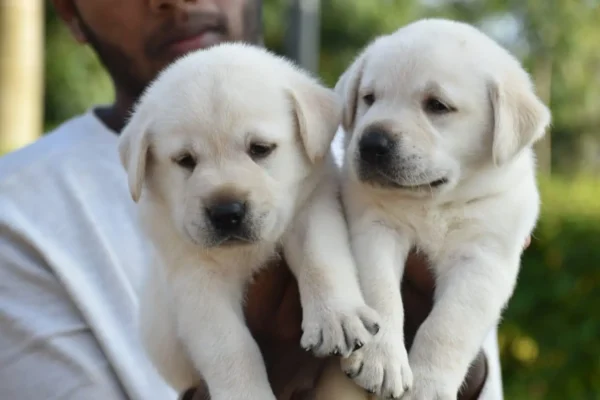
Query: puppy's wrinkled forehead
(216, 110)
(419, 62)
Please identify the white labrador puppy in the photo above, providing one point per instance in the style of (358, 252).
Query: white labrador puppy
(440, 122)
(227, 156)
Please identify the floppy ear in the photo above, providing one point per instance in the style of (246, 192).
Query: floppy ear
(133, 151)
(520, 117)
(347, 88)
(317, 111)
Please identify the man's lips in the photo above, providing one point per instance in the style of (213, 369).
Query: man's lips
(197, 41)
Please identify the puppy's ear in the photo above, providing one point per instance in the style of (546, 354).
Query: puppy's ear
(133, 151)
(347, 88)
(318, 113)
(520, 117)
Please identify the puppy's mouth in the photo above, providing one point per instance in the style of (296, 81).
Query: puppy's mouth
(234, 240)
(428, 185)
(380, 178)
(210, 239)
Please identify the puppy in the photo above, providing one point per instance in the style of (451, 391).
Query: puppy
(440, 123)
(227, 156)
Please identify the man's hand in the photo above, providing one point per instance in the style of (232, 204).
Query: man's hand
(274, 316)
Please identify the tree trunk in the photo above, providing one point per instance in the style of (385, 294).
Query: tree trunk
(21, 72)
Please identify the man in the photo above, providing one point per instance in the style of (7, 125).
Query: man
(72, 255)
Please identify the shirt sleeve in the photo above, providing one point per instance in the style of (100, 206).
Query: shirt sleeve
(47, 351)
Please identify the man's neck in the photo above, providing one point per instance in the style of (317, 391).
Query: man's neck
(115, 116)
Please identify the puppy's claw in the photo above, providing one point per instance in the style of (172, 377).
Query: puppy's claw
(373, 329)
(370, 320)
(342, 328)
(355, 373)
(381, 367)
(311, 342)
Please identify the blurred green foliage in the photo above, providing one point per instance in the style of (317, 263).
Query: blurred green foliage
(75, 80)
(550, 335)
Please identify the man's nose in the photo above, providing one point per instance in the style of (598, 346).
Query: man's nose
(185, 5)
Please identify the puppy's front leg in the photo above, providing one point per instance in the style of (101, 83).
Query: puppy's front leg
(211, 325)
(336, 319)
(380, 367)
(472, 287)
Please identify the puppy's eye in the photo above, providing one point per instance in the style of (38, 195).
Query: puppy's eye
(369, 99)
(435, 106)
(186, 161)
(260, 150)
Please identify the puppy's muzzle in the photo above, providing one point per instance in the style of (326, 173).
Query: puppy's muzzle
(382, 161)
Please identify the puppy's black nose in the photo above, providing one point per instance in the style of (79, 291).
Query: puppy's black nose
(226, 217)
(375, 146)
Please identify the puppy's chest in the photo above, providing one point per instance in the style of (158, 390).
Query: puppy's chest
(433, 229)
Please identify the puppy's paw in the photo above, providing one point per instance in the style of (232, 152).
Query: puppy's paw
(381, 368)
(338, 329)
(428, 394)
(429, 387)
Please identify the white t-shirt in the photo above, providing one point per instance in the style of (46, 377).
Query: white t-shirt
(72, 257)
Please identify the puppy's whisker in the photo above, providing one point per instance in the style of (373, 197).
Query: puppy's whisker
(430, 188)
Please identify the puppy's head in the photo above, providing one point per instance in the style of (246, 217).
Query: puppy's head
(433, 103)
(222, 141)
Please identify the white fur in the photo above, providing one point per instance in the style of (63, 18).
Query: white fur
(472, 228)
(211, 105)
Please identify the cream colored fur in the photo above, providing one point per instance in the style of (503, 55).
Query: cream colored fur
(210, 107)
(459, 185)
